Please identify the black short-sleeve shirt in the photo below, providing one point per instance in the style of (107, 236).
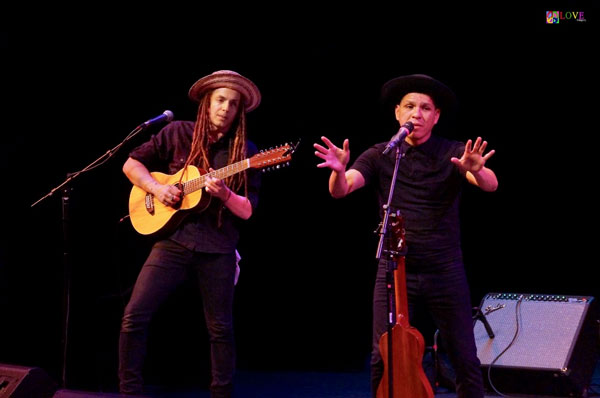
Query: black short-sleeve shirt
(427, 191)
(167, 152)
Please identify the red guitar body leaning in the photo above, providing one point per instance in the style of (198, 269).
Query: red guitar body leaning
(404, 377)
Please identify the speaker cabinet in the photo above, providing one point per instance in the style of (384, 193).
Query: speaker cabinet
(542, 344)
(24, 382)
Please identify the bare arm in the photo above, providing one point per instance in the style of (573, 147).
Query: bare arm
(139, 175)
(237, 204)
(341, 182)
(341, 185)
(484, 179)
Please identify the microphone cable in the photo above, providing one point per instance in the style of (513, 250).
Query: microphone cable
(517, 320)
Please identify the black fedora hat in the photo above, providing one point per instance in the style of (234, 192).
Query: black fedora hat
(394, 90)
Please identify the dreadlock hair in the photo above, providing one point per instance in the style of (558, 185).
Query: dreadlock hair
(237, 144)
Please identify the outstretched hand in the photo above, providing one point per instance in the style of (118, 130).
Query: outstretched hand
(334, 158)
(473, 158)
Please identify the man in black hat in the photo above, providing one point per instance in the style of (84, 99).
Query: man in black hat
(427, 192)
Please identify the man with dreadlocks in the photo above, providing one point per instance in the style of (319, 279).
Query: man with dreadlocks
(204, 244)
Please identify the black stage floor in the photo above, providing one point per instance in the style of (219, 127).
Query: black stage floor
(251, 384)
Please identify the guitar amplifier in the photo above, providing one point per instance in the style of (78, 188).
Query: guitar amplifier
(25, 382)
(542, 344)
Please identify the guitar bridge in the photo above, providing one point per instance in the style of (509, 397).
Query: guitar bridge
(149, 201)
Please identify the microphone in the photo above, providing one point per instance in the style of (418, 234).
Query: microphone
(166, 116)
(396, 140)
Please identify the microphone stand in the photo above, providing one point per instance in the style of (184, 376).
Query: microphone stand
(66, 190)
(391, 266)
(481, 317)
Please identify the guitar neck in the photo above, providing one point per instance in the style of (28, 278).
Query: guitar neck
(400, 292)
(227, 171)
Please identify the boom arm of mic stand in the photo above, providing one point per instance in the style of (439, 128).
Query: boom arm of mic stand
(92, 165)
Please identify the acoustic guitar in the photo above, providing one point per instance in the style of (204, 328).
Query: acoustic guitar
(151, 217)
(403, 346)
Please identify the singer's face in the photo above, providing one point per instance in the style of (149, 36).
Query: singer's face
(224, 104)
(421, 111)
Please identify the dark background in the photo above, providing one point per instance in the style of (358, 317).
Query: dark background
(80, 85)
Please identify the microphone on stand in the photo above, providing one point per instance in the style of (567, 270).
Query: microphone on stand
(397, 139)
(166, 116)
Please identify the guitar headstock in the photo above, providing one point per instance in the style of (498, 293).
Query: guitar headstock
(273, 157)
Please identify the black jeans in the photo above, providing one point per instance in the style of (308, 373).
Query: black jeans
(165, 269)
(444, 291)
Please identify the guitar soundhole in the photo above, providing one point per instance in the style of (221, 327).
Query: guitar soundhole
(149, 202)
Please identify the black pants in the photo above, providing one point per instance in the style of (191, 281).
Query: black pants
(165, 269)
(444, 291)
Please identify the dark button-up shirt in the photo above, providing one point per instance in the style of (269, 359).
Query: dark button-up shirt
(167, 152)
(427, 192)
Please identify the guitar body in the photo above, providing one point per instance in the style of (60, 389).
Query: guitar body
(163, 218)
(150, 217)
(409, 377)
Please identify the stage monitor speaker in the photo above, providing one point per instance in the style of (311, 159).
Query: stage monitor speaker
(25, 382)
(542, 345)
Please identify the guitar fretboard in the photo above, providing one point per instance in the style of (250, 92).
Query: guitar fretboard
(200, 182)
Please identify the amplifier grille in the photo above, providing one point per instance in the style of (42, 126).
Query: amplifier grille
(547, 329)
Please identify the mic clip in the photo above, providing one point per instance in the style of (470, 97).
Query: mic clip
(399, 137)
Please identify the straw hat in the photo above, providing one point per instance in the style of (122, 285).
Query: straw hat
(227, 79)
